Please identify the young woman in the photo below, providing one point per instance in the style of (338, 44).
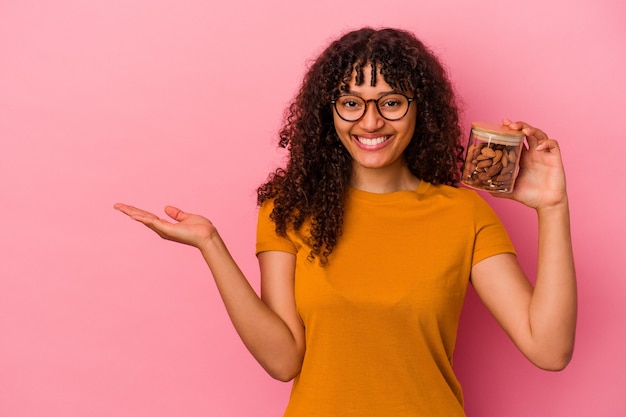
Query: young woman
(366, 246)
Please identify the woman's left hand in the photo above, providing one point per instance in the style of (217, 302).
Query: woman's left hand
(541, 179)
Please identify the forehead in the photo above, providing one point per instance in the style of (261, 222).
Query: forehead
(365, 78)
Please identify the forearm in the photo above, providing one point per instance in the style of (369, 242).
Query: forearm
(264, 333)
(553, 306)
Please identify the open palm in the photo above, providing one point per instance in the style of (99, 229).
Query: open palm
(189, 229)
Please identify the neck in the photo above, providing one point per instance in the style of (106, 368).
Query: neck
(384, 180)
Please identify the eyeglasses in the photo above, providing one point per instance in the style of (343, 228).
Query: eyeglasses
(392, 106)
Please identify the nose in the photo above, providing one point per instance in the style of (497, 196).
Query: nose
(371, 120)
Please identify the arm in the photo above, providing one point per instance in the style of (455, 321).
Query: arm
(541, 321)
(268, 326)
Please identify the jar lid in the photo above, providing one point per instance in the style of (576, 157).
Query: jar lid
(492, 131)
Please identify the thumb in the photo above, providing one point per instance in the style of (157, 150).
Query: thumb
(176, 213)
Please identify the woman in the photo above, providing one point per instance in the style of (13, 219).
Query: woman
(366, 246)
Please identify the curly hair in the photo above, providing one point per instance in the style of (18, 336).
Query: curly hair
(312, 188)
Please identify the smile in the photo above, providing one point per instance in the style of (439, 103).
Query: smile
(372, 141)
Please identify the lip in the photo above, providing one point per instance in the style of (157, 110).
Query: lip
(376, 143)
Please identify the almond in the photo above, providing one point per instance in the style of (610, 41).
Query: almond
(498, 156)
(487, 151)
(485, 163)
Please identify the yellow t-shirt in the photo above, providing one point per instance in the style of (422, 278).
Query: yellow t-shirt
(381, 317)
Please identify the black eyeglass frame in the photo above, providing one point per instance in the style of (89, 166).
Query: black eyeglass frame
(409, 101)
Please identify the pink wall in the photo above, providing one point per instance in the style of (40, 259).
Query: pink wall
(164, 101)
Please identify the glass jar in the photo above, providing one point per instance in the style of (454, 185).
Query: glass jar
(492, 157)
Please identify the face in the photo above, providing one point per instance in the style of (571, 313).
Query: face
(372, 141)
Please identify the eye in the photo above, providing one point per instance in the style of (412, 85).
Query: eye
(350, 102)
(391, 102)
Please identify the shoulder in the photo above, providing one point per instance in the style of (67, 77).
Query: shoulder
(442, 192)
(266, 208)
(268, 238)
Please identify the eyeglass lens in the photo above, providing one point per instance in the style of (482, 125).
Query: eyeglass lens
(391, 106)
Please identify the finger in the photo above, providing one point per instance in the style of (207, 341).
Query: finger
(176, 213)
(511, 125)
(159, 226)
(518, 125)
(549, 145)
(506, 122)
(139, 215)
(526, 128)
(130, 210)
(120, 207)
(535, 137)
(533, 131)
(529, 130)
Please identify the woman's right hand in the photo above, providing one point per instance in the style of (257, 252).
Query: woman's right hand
(189, 229)
(270, 327)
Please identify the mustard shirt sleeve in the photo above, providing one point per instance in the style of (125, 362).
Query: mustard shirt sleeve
(266, 237)
(491, 236)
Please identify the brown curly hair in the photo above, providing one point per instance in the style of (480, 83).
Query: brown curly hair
(312, 188)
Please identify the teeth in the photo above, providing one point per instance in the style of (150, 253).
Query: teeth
(373, 141)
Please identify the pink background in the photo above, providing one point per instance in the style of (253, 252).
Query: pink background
(167, 101)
